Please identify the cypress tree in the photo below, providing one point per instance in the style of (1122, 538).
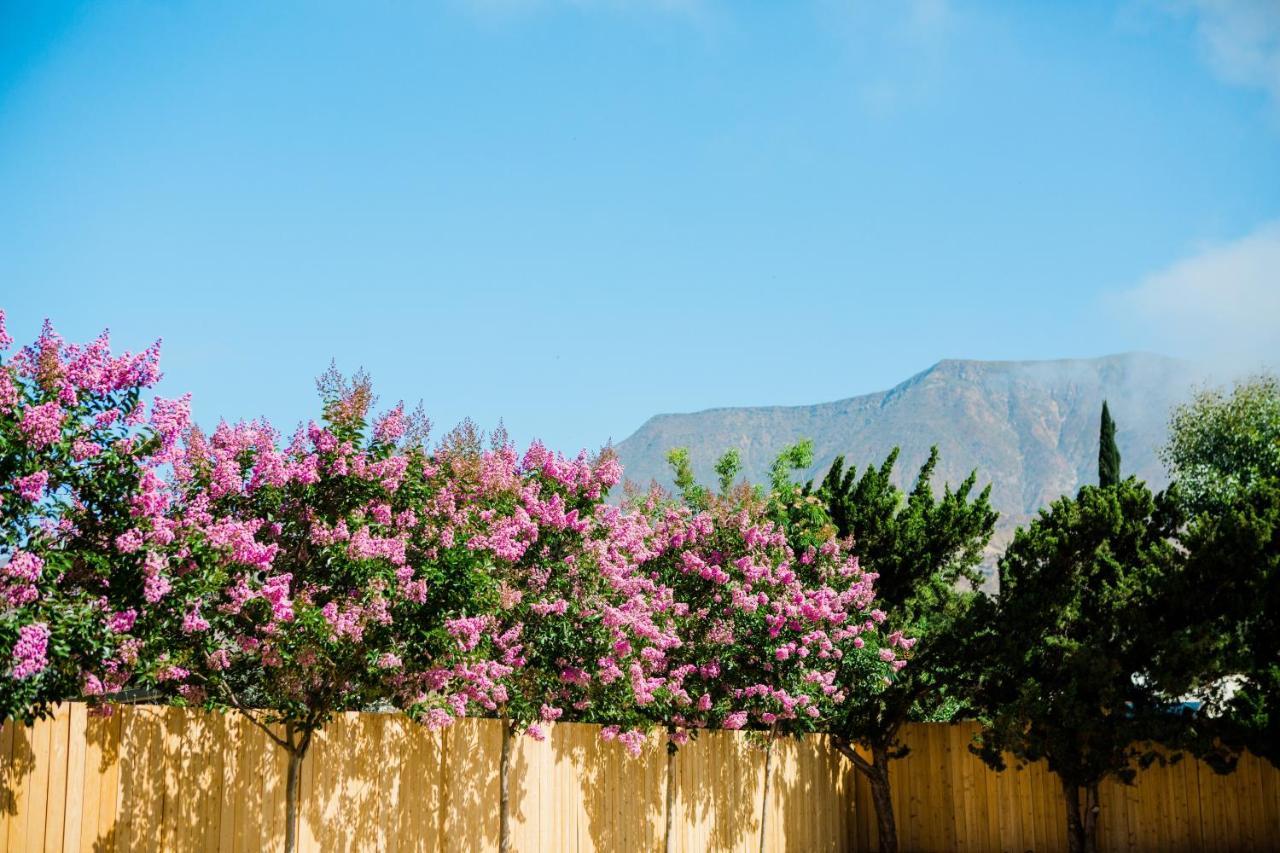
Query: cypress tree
(1108, 453)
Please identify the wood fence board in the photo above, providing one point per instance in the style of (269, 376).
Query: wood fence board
(57, 789)
(172, 779)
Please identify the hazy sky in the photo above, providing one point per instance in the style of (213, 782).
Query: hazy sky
(573, 215)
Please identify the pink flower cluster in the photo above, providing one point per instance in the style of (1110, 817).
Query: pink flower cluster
(20, 577)
(30, 652)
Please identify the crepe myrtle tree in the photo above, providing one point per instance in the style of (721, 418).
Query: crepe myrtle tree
(296, 587)
(767, 604)
(560, 614)
(79, 452)
(924, 550)
(1071, 675)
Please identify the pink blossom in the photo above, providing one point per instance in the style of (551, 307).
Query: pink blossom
(122, 621)
(83, 449)
(30, 653)
(24, 565)
(31, 487)
(129, 541)
(172, 673)
(193, 622)
(391, 426)
(42, 424)
(8, 391)
(91, 685)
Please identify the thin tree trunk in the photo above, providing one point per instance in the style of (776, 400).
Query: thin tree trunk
(504, 789)
(297, 750)
(291, 803)
(1082, 824)
(886, 826)
(668, 839)
(764, 798)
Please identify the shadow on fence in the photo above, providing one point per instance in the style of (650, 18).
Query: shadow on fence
(169, 779)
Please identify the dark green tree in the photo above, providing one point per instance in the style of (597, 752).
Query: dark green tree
(1231, 632)
(1068, 676)
(926, 550)
(1108, 452)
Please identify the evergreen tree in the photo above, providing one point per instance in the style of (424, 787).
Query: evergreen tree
(925, 550)
(1108, 452)
(1070, 671)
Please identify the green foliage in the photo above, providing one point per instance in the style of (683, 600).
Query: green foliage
(795, 457)
(1220, 446)
(925, 550)
(1224, 451)
(728, 467)
(1224, 620)
(687, 485)
(1083, 591)
(1108, 452)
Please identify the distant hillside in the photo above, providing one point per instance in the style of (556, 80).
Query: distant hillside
(1030, 428)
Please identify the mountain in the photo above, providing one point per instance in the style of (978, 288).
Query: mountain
(1030, 428)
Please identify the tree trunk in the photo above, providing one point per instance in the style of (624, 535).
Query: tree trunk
(877, 772)
(886, 827)
(668, 840)
(1082, 823)
(504, 789)
(291, 802)
(764, 798)
(297, 750)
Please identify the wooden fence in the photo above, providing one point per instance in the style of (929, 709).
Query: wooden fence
(167, 779)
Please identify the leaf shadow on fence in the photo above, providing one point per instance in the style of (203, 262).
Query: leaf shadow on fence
(417, 760)
(720, 790)
(19, 759)
(469, 780)
(160, 778)
(623, 799)
(618, 797)
(813, 798)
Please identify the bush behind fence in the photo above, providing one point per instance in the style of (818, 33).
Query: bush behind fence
(153, 778)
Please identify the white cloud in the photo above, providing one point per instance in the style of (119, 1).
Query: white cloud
(1221, 304)
(1240, 39)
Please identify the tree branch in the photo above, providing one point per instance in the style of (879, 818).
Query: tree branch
(843, 747)
(248, 714)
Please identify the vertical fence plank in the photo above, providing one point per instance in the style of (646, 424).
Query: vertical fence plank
(56, 795)
(74, 791)
(10, 780)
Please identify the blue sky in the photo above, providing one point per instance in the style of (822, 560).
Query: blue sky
(573, 215)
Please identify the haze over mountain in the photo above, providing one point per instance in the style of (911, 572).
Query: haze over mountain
(1030, 428)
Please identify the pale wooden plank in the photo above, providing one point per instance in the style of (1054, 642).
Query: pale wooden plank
(38, 789)
(230, 748)
(70, 838)
(9, 780)
(56, 795)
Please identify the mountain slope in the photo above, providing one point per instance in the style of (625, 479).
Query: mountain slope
(1030, 428)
